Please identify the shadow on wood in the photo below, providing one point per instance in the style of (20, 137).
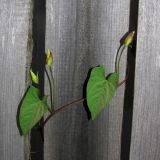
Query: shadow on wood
(129, 88)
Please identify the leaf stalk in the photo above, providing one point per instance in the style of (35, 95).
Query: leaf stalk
(50, 86)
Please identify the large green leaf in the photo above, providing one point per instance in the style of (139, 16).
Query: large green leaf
(100, 90)
(32, 110)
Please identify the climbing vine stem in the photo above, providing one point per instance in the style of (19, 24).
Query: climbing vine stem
(71, 104)
(50, 86)
(99, 92)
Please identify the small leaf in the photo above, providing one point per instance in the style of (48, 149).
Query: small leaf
(100, 90)
(44, 100)
(34, 77)
(32, 110)
(128, 40)
(49, 58)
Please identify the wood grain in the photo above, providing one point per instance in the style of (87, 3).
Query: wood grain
(83, 34)
(146, 113)
(109, 21)
(14, 57)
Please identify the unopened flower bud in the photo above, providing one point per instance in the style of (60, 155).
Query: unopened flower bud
(128, 40)
(49, 59)
(34, 77)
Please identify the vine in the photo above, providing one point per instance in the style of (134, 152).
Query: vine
(100, 90)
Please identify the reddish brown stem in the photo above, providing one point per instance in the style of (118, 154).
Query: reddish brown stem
(49, 110)
(62, 108)
(71, 104)
(120, 83)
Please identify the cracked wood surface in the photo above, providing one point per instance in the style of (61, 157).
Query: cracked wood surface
(83, 34)
(14, 61)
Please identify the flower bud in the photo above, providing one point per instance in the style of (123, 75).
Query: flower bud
(49, 59)
(128, 40)
(34, 77)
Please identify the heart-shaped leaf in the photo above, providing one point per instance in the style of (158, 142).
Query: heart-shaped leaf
(32, 110)
(100, 90)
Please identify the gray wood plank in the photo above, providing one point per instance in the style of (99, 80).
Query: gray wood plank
(109, 21)
(83, 34)
(63, 132)
(146, 112)
(14, 57)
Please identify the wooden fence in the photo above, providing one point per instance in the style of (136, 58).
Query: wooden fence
(82, 34)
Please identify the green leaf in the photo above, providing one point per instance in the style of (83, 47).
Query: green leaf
(32, 110)
(44, 100)
(100, 90)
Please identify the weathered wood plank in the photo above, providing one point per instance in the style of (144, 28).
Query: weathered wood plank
(83, 34)
(109, 21)
(14, 51)
(67, 38)
(146, 111)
